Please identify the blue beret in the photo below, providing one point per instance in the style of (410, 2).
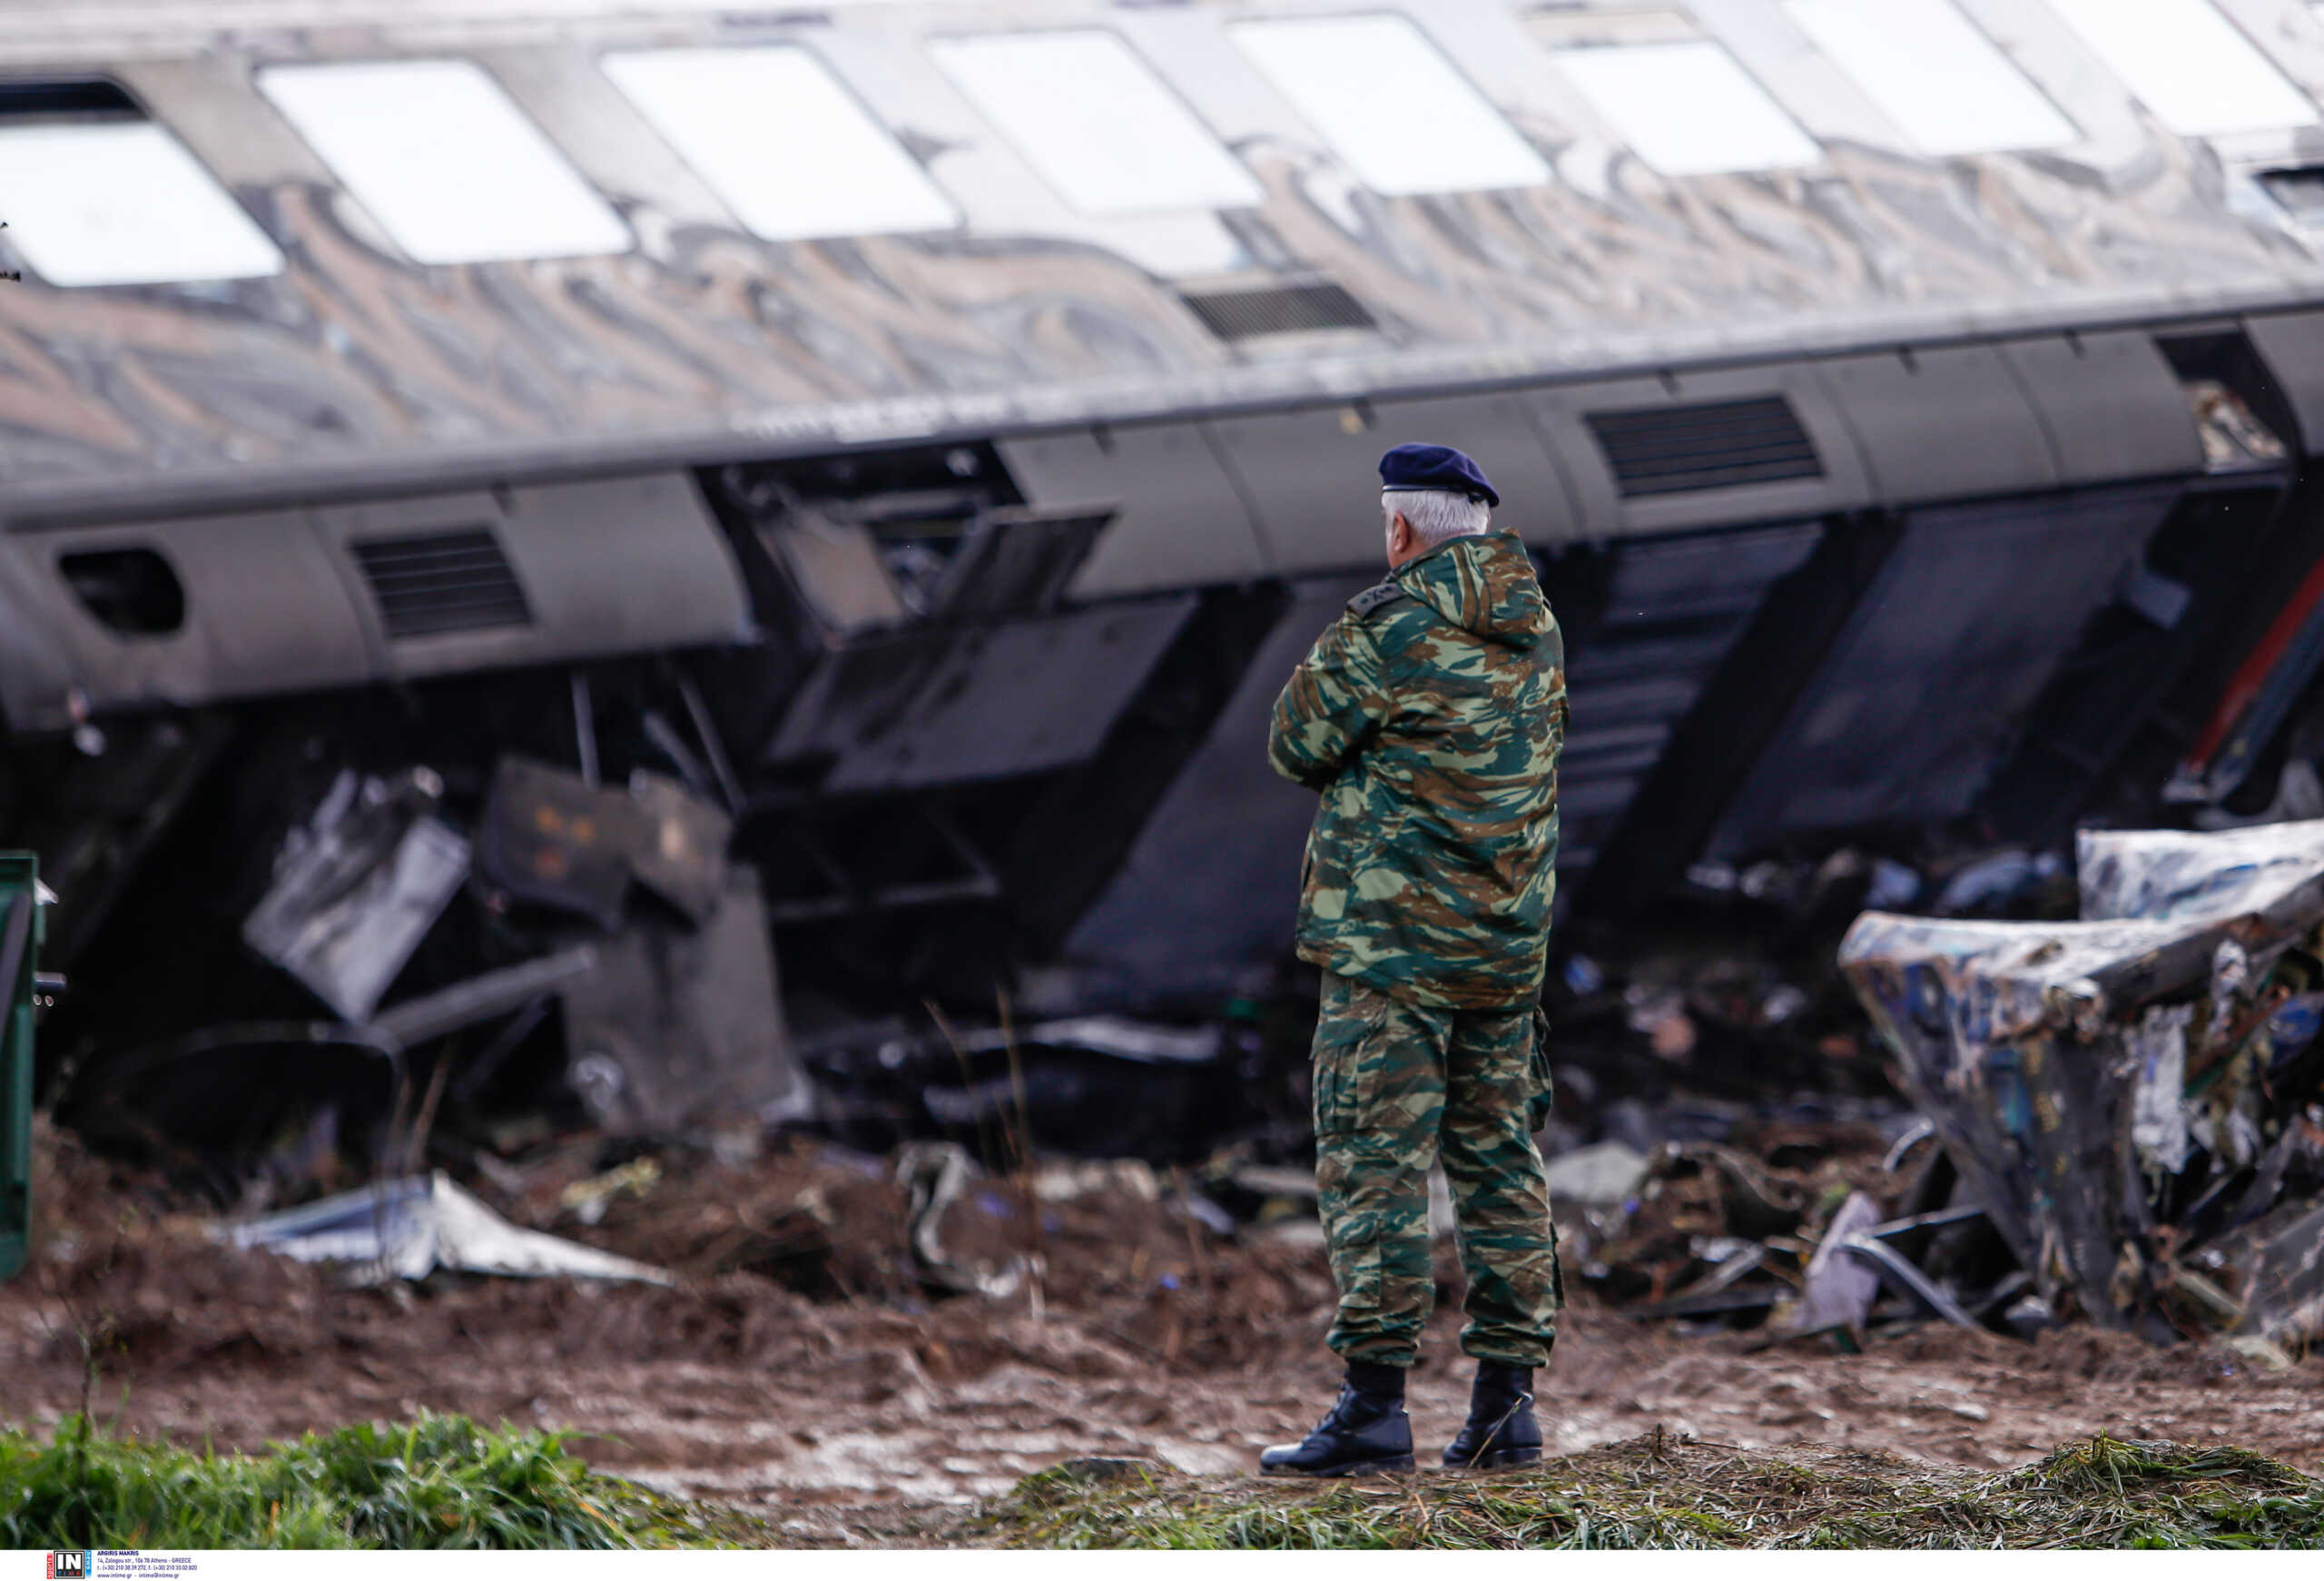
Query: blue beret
(1437, 467)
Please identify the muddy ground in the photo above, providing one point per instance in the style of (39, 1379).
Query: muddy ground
(803, 1370)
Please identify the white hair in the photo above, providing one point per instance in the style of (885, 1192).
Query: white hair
(1439, 516)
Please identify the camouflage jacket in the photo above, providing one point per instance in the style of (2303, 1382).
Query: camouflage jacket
(1431, 717)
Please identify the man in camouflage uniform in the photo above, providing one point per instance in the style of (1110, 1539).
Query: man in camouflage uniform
(1430, 718)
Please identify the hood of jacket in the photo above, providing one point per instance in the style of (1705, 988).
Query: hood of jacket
(1482, 584)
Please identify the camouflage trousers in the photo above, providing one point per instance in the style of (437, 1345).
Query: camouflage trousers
(1398, 1088)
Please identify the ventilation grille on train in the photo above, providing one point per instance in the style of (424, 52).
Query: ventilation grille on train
(1671, 450)
(1279, 309)
(442, 581)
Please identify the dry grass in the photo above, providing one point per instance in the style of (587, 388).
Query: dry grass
(1655, 1492)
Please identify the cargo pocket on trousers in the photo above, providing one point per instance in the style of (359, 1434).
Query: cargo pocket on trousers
(1347, 1028)
(1357, 1266)
(1541, 1096)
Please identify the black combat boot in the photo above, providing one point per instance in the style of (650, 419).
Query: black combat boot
(1366, 1431)
(1501, 1429)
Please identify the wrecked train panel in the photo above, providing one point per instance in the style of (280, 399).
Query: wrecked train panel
(354, 368)
(2132, 1099)
(1654, 366)
(1636, 351)
(698, 340)
(199, 609)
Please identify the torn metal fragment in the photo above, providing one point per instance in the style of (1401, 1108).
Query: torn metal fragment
(2158, 1050)
(1840, 1289)
(357, 886)
(678, 1025)
(482, 997)
(682, 856)
(935, 1173)
(550, 837)
(407, 1229)
(1890, 1264)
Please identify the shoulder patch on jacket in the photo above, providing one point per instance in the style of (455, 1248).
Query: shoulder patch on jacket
(1372, 597)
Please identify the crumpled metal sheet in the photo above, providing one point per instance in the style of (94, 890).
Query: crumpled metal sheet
(407, 1229)
(2277, 1265)
(1839, 1288)
(356, 887)
(2135, 1099)
(936, 1173)
(550, 837)
(684, 857)
(2161, 874)
(680, 1026)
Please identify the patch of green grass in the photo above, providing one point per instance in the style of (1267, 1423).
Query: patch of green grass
(1654, 1493)
(438, 1482)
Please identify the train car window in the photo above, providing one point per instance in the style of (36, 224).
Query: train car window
(1097, 123)
(777, 137)
(444, 160)
(96, 194)
(1688, 108)
(1946, 86)
(1389, 104)
(2189, 65)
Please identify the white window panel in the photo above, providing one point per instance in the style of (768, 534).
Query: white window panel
(1688, 108)
(121, 203)
(2191, 65)
(444, 161)
(1097, 123)
(778, 138)
(1943, 81)
(1384, 97)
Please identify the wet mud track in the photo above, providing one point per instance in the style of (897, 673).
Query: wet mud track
(836, 1417)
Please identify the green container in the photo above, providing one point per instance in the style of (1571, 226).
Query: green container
(20, 937)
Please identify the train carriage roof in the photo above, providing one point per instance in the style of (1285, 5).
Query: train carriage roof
(418, 237)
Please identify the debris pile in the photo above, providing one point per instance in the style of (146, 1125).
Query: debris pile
(1148, 1255)
(1792, 1226)
(434, 949)
(2135, 1099)
(1724, 1003)
(2120, 1116)
(1092, 1086)
(1158, 1338)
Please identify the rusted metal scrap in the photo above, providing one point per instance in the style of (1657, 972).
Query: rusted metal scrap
(2137, 1097)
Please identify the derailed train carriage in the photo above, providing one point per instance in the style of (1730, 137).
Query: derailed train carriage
(925, 435)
